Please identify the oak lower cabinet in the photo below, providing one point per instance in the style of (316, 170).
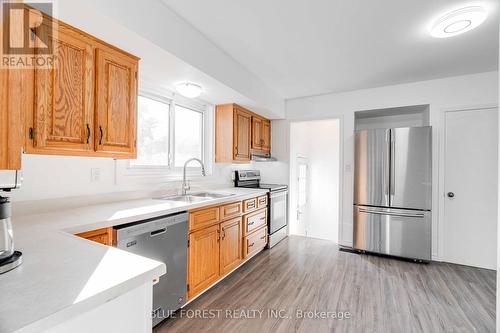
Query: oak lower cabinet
(230, 245)
(203, 267)
(105, 236)
(220, 237)
(254, 221)
(255, 242)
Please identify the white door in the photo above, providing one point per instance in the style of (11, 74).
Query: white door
(470, 211)
(302, 186)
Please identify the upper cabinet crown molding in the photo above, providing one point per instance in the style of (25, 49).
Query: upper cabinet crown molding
(238, 133)
(86, 104)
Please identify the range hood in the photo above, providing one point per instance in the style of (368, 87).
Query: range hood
(262, 157)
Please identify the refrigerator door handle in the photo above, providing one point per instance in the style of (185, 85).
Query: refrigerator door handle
(392, 179)
(387, 169)
(369, 211)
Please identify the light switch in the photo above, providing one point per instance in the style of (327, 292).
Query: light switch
(95, 175)
(347, 168)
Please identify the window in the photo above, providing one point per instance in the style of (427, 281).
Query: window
(168, 134)
(152, 134)
(188, 135)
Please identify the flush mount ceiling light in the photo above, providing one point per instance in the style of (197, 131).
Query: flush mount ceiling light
(458, 21)
(189, 90)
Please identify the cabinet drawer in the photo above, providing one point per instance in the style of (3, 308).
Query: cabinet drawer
(203, 218)
(254, 221)
(249, 205)
(231, 210)
(262, 201)
(255, 242)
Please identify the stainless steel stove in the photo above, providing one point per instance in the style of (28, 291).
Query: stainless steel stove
(278, 203)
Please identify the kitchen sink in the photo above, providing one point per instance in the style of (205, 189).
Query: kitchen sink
(211, 195)
(196, 197)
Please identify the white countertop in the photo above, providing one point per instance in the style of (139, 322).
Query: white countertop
(63, 275)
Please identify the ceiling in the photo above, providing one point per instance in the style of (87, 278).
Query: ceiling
(302, 48)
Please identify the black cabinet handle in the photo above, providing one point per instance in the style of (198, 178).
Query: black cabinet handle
(88, 133)
(102, 135)
(450, 195)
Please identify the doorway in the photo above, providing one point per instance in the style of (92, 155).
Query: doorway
(470, 187)
(315, 179)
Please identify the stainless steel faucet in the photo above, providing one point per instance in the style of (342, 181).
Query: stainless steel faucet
(185, 183)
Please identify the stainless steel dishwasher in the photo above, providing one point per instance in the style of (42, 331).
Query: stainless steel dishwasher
(163, 239)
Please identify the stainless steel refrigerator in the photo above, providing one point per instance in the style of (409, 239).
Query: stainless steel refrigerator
(393, 192)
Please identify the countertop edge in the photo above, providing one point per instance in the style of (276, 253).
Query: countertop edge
(92, 302)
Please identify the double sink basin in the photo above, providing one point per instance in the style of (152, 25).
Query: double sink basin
(196, 197)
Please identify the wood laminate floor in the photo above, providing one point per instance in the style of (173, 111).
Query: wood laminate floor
(380, 294)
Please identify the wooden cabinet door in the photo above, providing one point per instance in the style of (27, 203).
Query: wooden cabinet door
(230, 245)
(203, 259)
(242, 135)
(62, 120)
(14, 99)
(266, 135)
(257, 133)
(116, 107)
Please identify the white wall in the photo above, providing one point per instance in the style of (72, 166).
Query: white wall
(318, 141)
(447, 93)
(53, 177)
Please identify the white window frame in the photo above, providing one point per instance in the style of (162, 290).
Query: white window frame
(126, 173)
(172, 137)
(159, 169)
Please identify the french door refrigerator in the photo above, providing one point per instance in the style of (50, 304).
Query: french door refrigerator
(392, 191)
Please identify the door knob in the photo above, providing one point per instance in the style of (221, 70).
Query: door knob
(450, 195)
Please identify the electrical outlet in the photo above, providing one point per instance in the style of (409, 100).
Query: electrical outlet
(95, 175)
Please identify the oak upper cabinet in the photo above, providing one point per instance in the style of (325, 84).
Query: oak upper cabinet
(266, 136)
(257, 139)
(233, 127)
(203, 268)
(230, 245)
(261, 134)
(116, 106)
(85, 104)
(242, 132)
(12, 103)
(62, 118)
